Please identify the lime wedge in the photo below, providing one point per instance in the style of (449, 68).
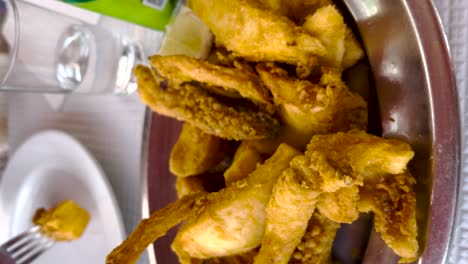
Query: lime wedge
(187, 35)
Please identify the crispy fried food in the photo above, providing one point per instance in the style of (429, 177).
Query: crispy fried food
(316, 244)
(189, 103)
(245, 161)
(194, 152)
(330, 163)
(340, 206)
(343, 49)
(328, 25)
(244, 258)
(379, 167)
(157, 225)
(234, 218)
(356, 155)
(308, 109)
(296, 10)
(353, 50)
(189, 185)
(65, 222)
(393, 202)
(227, 81)
(256, 33)
(289, 209)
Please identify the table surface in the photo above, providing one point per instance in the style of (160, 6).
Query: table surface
(111, 127)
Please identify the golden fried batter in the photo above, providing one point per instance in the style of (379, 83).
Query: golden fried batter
(232, 82)
(244, 258)
(65, 222)
(296, 10)
(356, 155)
(328, 25)
(393, 202)
(245, 161)
(308, 109)
(194, 105)
(289, 209)
(194, 152)
(256, 33)
(353, 50)
(157, 225)
(340, 206)
(317, 242)
(330, 163)
(189, 185)
(233, 220)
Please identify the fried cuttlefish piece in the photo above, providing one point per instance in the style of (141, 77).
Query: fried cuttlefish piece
(317, 242)
(327, 24)
(393, 202)
(245, 161)
(331, 162)
(65, 222)
(320, 19)
(340, 206)
(195, 152)
(187, 102)
(157, 225)
(296, 10)
(228, 81)
(308, 109)
(233, 220)
(256, 33)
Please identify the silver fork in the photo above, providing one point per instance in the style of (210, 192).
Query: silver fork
(25, 247)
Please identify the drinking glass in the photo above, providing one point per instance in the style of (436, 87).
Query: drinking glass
(45, 51)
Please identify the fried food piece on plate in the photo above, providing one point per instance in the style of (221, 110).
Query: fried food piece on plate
(385, 185)
(327, 24)
(254, 32)
(233, 220)
(340, 206)
(330, 163)
(352, 157)
(353, 50)
(227, 81)
(244, 162)
(189, 185)
(289, 209)
(393, 202)
(244, 258)
(323, 21)
(195, 152)
(190, 103)
(296, 10)
(343, 49)
(157, 225)
(317, 242)
(65, 222)
(308, 109)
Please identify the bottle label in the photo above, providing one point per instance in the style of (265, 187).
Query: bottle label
(156, 4)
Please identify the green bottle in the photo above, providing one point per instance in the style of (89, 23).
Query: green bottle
(153, 14)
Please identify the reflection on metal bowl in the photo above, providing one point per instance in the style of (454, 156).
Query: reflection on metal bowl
(418, 103)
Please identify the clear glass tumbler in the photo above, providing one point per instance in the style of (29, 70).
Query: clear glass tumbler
(46, 51)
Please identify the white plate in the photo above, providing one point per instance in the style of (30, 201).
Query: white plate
(51, 167)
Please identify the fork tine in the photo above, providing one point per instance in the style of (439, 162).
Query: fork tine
(22, 244)
(20, 237)
(26, 249)
(44, 246)
(27, 246)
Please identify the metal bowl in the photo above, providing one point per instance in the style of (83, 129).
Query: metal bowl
(416, 90)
